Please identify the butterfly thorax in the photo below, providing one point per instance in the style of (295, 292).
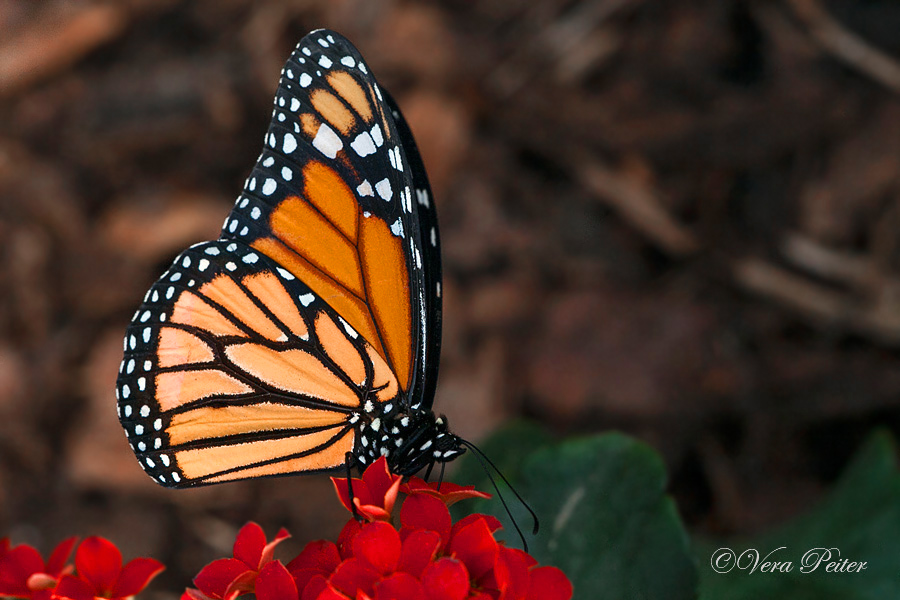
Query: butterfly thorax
(410, 440)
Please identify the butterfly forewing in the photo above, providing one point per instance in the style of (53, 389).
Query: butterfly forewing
(332, 198)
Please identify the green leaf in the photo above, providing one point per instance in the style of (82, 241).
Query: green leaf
(860, 518)
(605, 520)
(506, 448)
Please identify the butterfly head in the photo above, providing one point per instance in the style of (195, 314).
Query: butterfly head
(422, 439)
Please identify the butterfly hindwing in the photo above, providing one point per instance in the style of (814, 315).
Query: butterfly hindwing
(332, 199)
(234, 368)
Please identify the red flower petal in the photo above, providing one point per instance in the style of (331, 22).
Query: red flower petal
(378, 544)
(446, 579)
(215, 577)
(493, 523)
(249, 544)
(418, 549)
(59, 556)
(275, 583)
(242, 584)
(510, 574)
(315, 587)
(193, 594)
(345, 539)
(99, 563)
(317, 558)
(74, 589)
(330, 593)
(382, 484)
(371, 512)
(475, 545)
(16, 566)
(446, 492)
(319, 555)
(269, 549)
(548, 583)
(399, 586)
(415, 484)
(352, 575)
(135, 576)
(426, 512)
(42, 594)
(360, 490)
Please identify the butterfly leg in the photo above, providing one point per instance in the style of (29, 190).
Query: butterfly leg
(349, 459)
(428, 471)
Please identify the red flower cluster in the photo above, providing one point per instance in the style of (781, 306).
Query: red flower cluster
(98, 572)
(428, 558)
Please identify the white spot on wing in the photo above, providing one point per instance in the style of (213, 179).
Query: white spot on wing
(363, 144)
(348, 61)
(327, 141)
(290, 143)
(397, 228)
(306, 299)
(305, 80)
(350, 331)
(286, 274)
(269, 187)
(365, 189)
(376, 135)
(383, 188)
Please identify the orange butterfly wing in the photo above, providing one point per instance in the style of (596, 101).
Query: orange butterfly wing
(271, 350)
(234, 372)
(335, 200)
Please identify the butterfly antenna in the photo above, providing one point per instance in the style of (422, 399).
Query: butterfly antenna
(484, 460)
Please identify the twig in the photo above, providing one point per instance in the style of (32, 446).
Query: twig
(53, 43)
(841, 267)
(879, 320)
(638, 205)
(845, 45)
(764, 278)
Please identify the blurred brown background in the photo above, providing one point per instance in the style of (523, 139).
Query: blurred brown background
(677, 219)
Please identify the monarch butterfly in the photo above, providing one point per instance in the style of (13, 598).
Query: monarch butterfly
(308, 335)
